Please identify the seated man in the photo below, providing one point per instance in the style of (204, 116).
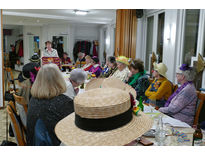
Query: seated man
(181, 104)
(77, 77)
(161, 88)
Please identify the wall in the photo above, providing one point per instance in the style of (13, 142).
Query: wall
(107, 40)
(171, 38)
(10, 39)
(29, 32)
(1, 61)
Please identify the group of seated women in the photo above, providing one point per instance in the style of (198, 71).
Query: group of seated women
(51, 96)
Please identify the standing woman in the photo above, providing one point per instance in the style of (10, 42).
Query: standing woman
(138, 78)
(48, 103)
(123, 71)
(49, 52)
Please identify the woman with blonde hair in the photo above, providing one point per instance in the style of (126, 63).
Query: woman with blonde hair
(88, 64)
(48, 103)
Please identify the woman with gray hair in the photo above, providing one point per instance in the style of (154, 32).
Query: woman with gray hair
(77, 77)
(181, 104)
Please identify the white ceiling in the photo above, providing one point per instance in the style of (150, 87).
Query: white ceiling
(54, 16)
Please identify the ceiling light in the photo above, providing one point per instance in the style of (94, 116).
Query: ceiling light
(80, 12)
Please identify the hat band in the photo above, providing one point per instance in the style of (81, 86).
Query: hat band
(104, 124)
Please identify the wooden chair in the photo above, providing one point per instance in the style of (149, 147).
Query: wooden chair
(10, 77)
(201, 99)
(21, 103)
(17, 129)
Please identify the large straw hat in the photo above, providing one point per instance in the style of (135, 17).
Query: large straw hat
(122, 59)
(160, 68)
(94, 83)
(110, 82)
(103, 116)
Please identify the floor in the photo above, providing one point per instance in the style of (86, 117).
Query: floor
(3, 115)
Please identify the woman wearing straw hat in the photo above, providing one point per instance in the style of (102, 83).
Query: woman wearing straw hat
(48, 103)
(109, 121)
(181, 104)
(138, 78)
(123, 71)
(161, 88)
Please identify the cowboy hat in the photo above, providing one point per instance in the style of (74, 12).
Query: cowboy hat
(103, 116)
(122, 59)
(161, 68)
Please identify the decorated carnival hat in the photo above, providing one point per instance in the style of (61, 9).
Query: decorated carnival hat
(35, 58)
(102, 116)
(122, 59)
(110, 82)
(29, 71)
(189, 72)
(96, 59)
(161, 68)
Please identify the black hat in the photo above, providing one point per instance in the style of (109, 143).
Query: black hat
(96, 59)
(35, 58)
(27, 70)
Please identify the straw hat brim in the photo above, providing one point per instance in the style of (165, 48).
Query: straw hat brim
(71, 135)
(94, 83)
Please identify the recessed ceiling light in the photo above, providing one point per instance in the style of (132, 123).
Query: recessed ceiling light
(80, 12)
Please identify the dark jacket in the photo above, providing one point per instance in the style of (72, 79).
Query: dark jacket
(141, 86)
(51, 112)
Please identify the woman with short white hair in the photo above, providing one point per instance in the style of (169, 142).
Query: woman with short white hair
(181, 104)
(48, 103)
(77, 77)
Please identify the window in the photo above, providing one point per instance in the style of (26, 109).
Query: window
(190, 34)
(150, 24)
(160, 36)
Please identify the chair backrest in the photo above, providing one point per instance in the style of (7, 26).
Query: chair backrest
(201, 99)
(18, 131)
(22, 108)
(41, 135)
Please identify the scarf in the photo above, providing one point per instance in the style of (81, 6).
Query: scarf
(135, 77)
(176, 92)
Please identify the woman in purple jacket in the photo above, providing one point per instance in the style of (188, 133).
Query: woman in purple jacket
(181, 104)
(96, 69)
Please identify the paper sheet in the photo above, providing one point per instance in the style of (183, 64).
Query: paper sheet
(174, 122)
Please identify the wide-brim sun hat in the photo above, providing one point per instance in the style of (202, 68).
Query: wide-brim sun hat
(161, 68)
(103, 117)
(122, 59)
(110, 82)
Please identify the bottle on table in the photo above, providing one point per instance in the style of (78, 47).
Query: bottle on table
(140, 105)
(160, 133)
(197, 136)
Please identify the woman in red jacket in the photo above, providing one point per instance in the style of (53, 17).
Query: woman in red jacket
(88, 64)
